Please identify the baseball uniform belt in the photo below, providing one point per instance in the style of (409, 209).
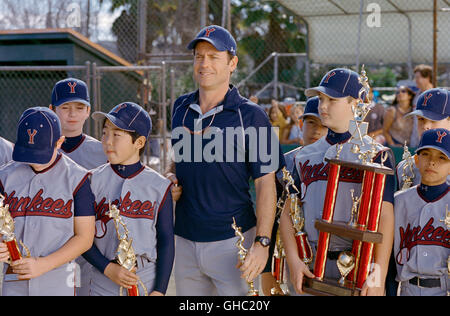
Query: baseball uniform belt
(428, 283)
(142, 261)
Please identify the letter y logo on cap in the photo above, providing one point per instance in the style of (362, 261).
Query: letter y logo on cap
(209, 31)
(31, 136)
(120, 107)
(426, 98)
(72, 86)
(331, 74)
(440, 136)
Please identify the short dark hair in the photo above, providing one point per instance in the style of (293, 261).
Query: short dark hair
(425, 71)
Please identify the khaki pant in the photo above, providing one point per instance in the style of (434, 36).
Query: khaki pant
(209, 268)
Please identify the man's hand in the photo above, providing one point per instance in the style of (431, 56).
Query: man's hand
(255, 262)
(176, 189)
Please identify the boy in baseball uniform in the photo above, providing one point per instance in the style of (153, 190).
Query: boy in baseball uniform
(338, 93)
(70, 101)
(145, 203)
(313, 130)
(6, 149)
(50, 199)
(433, 110)
(422, 236)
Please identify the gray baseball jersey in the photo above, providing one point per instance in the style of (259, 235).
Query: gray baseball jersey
(88, 154)
(43, 210)
(313, 174)
(6, 149)
(138, 199)
(421, 240)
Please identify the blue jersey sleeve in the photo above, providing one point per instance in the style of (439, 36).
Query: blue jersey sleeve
(165, 245)
(83, 199)
(95, 257)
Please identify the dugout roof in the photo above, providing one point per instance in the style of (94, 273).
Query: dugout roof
(405, 34)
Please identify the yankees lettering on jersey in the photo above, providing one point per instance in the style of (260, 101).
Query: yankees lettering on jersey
(313, 173)
(38, 206)
(138, 198)
(421, 240)
(319, 171)
(428, 235)
(127, 208)
(42, 203)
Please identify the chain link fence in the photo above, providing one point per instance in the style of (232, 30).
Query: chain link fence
(23, 87)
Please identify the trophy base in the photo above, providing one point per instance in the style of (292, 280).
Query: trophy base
(347, 231)
(329, 287)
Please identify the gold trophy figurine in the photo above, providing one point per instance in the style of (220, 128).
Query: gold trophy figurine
(298, 219)
(242, 254)
(126, 256)
(354, 212)
(407, 170)
(9, 238)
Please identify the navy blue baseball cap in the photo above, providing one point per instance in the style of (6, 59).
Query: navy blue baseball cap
(70, 90)
(129, 117)
(438, 138)
(312, 107)
(217, 36)
(37, 133)
(433, 104)
(338, 83)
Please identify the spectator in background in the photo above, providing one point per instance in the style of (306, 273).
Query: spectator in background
(375, 119)
(396, 127)
(277, 118)
(423, 76)
(292, 134)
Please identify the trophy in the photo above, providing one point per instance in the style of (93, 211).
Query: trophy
(7, 231)
(242, 254)
(407, 170)
(298, 220)
(358, 153)
(125, 255)
(279, 268)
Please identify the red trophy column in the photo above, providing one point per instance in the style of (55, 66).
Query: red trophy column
(366, 197)
(328, 212)
(372, 226)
